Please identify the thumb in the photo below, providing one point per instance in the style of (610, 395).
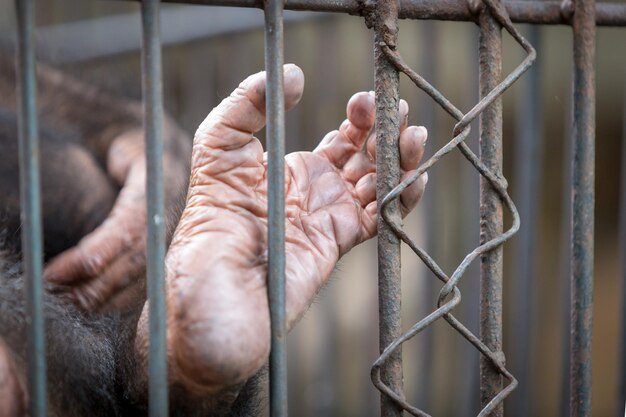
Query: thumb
(231, 124)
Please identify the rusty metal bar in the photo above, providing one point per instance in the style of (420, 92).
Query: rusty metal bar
(491, 210)
(275, 105)
(583, 166)
(528, 168)
(153, 125)
(387, 85)
(536, 12)
(30, 203)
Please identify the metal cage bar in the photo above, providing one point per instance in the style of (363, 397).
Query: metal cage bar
(387, 98)
(30, 203)
(520, 11)
(275, 110)
(153, 125)
(491, 210)
(582, 207)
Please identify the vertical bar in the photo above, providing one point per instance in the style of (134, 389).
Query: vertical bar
(275, 105)
(30, 202)
(621, 396)
(582, 206)
(153, 125)
(527, 187)
(387, 83)
(491, 222)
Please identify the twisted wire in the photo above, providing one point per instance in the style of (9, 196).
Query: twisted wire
(449, 295)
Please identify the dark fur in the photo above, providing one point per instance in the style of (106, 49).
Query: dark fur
(81, 350)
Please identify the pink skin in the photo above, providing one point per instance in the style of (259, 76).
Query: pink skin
(218, 323)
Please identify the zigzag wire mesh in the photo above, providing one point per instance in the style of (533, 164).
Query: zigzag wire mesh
(445, 303)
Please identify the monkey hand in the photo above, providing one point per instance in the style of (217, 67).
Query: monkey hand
(218, 319)
(107, 267)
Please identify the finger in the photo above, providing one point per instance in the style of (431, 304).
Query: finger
(412, 194)
(99, 248)
(404, 118)
(369, 221)
(361, 111)
(357, 166)
(412, 142)
(231, 124)
(338, 146)
(365, 189)
(124, 151)
(97, 292)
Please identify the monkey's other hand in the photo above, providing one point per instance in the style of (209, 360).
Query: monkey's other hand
(218, 327)
(106, 270)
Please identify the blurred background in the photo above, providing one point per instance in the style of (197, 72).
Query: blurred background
(208, 51)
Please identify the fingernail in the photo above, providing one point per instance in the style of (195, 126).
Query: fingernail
(403, 107)
(425, 175)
